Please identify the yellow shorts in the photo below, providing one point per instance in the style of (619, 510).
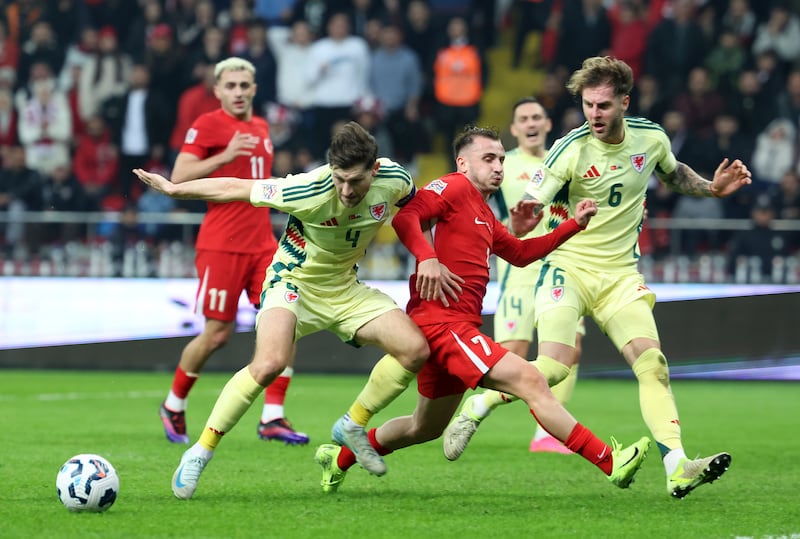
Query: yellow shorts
(342, 311)
(514, 319)
(563, 295)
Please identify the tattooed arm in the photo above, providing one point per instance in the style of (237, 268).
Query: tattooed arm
(728, 178)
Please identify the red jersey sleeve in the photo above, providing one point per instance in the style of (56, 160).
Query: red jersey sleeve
(523, 252)
(425, 206)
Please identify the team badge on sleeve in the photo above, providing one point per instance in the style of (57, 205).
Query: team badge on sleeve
(638, 161)
(437, 186)
(191, 135)
(378, 211)
(557, 292)
(290, 296)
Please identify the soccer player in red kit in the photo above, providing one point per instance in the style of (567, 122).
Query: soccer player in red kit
(465, 233)
(234, 246)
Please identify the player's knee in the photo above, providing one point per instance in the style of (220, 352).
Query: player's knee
(265, 368)
(415, 353)
(652, 364)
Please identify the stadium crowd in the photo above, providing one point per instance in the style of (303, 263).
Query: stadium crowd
(90, 89)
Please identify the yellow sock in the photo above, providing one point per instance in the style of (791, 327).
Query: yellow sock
(386, 381)
(492, 399)
(563, 390)
(656, 400)
(234, 400)
(553, 370)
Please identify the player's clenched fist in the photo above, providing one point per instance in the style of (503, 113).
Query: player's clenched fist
(584, 211)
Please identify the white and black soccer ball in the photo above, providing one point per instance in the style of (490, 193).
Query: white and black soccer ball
(87, 482)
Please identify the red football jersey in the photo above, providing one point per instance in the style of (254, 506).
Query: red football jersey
(235, 227)
(465, 234)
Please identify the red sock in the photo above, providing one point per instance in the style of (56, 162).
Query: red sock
(276, 391)
(182, 383)
(347, 458)
(583, 441)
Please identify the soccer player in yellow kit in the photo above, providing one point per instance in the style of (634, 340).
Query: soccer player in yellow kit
(334, 212)
(610, 159)
(514, 318)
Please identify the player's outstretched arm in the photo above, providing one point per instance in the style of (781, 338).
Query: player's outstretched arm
(728, 178)
(211, 189)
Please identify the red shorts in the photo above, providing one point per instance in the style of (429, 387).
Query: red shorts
(223, 277)
(460, 356)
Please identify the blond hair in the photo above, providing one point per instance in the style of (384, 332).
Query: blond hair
(233, 63)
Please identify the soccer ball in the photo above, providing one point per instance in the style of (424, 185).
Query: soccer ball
(88, 483)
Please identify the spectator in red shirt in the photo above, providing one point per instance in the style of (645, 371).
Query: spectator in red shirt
(96, 162)
(194, 101)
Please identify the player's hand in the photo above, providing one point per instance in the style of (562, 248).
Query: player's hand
(525, 216)
(451, 285)
(156, 181)
(241, 144)
(584, 211)
(429, 280)
(729, 177)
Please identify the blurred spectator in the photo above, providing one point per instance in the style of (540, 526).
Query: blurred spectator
(528, 16)
(739, 19)
(589, 20)
(149, 16)
(361, 12)
(259, 54)
(235, 23)
(192, 22)
(629, 33)
(8, 122)
(725, 61)
(140, 121)
(41, 47)
(20, 16)
(104, 75)
(96, 163)
(194, 101)
(693, 241)
(291, 47)
(213, 49)
(275, 12)
(9, 49)
(787, 196)
(760, 243)
(775, 152)
(683, 141)
(127, 240)
(789, 99)
(20, 191)
(338, 72)
(372, 34)
(753, 108)
(283, 127)
(78, 54)
(647, 100)
(780, 33)
(396, 81)
(458, 81)
(421, 37)
(660, 205)
(368, 112)
(700, 103)
(61, 191)
(726, 141)
(164, 60)
(45, 121)
(674, 47)
(770, 73)
(556, 101)
(314, 12)
(122, 15)
(67, 18)
(151, 201)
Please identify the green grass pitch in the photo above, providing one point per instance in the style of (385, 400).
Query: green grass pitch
(497, 489)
